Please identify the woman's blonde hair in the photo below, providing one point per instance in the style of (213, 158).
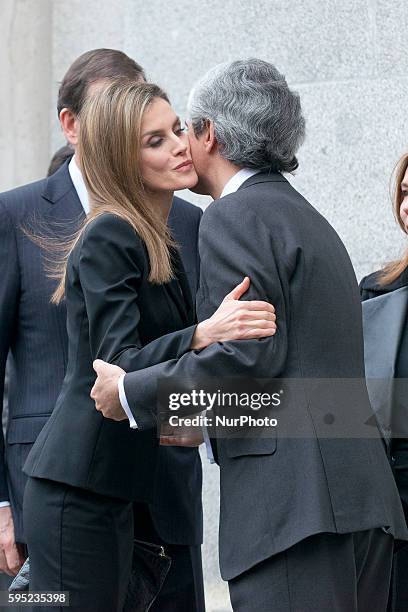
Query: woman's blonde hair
(394, 269)
(108, 153)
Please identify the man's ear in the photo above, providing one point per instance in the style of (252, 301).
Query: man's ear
(210, 139)
(70, 126)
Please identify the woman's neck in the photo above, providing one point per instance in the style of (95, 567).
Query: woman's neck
(162, 202)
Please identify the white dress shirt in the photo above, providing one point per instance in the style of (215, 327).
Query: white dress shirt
(124, 402)
(79, 184)
(80, 188)
(237, 180)
(231, 186)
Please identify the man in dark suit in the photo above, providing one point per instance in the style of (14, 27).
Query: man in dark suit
(33, 333)
(308, 518)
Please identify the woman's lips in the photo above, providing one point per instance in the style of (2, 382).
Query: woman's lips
(185, 166)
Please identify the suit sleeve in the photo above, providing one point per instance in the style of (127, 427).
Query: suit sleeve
(9, 298)
(233, 243)
(111, 266)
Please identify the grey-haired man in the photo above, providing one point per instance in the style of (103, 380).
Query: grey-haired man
(307, 523)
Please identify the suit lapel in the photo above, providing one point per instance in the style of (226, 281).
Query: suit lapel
(179, 290)
(181, 230)
(65, 212)
(263, 177)
(186, 291)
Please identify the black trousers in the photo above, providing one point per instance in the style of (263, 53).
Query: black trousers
(82, 542)
(183, 589)
(79, 542)
(398, 601)
(326, 572)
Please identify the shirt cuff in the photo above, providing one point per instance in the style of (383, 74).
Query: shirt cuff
(124, 402)
(4, 504)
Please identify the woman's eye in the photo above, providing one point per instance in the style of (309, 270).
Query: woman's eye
(180, 130)
(156, 143)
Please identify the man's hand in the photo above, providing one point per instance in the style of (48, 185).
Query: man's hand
(105, 390)
(11, 556)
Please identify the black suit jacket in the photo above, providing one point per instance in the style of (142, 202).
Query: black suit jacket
(32, 330)
(33, 333)
(394, 364)
(278, 490)
(113, 313)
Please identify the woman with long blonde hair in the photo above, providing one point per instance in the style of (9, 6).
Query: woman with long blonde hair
(128, 303)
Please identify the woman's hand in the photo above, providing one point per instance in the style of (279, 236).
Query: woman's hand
(181, 435)
(235, 320)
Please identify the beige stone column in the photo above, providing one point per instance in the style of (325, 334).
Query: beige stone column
(25, 73)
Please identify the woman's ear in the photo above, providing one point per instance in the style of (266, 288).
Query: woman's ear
(70, 126)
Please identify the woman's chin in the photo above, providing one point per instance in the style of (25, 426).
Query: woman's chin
(188, 181)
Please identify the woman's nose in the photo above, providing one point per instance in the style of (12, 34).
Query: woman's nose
(180, 144)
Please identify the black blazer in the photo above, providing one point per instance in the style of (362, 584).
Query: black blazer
(113, 313)
(398, 368)
(33, 333)
(305, 480)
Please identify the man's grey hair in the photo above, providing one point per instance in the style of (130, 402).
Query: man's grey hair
(257, 119)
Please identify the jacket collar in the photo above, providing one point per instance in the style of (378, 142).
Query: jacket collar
(65, 211)
(59, 184)
(263, 177)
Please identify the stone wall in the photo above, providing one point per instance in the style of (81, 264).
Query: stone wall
(25, 85)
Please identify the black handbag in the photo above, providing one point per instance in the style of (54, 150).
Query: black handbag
(150, 566)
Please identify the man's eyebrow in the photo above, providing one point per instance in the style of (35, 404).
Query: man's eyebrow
(153, 132)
